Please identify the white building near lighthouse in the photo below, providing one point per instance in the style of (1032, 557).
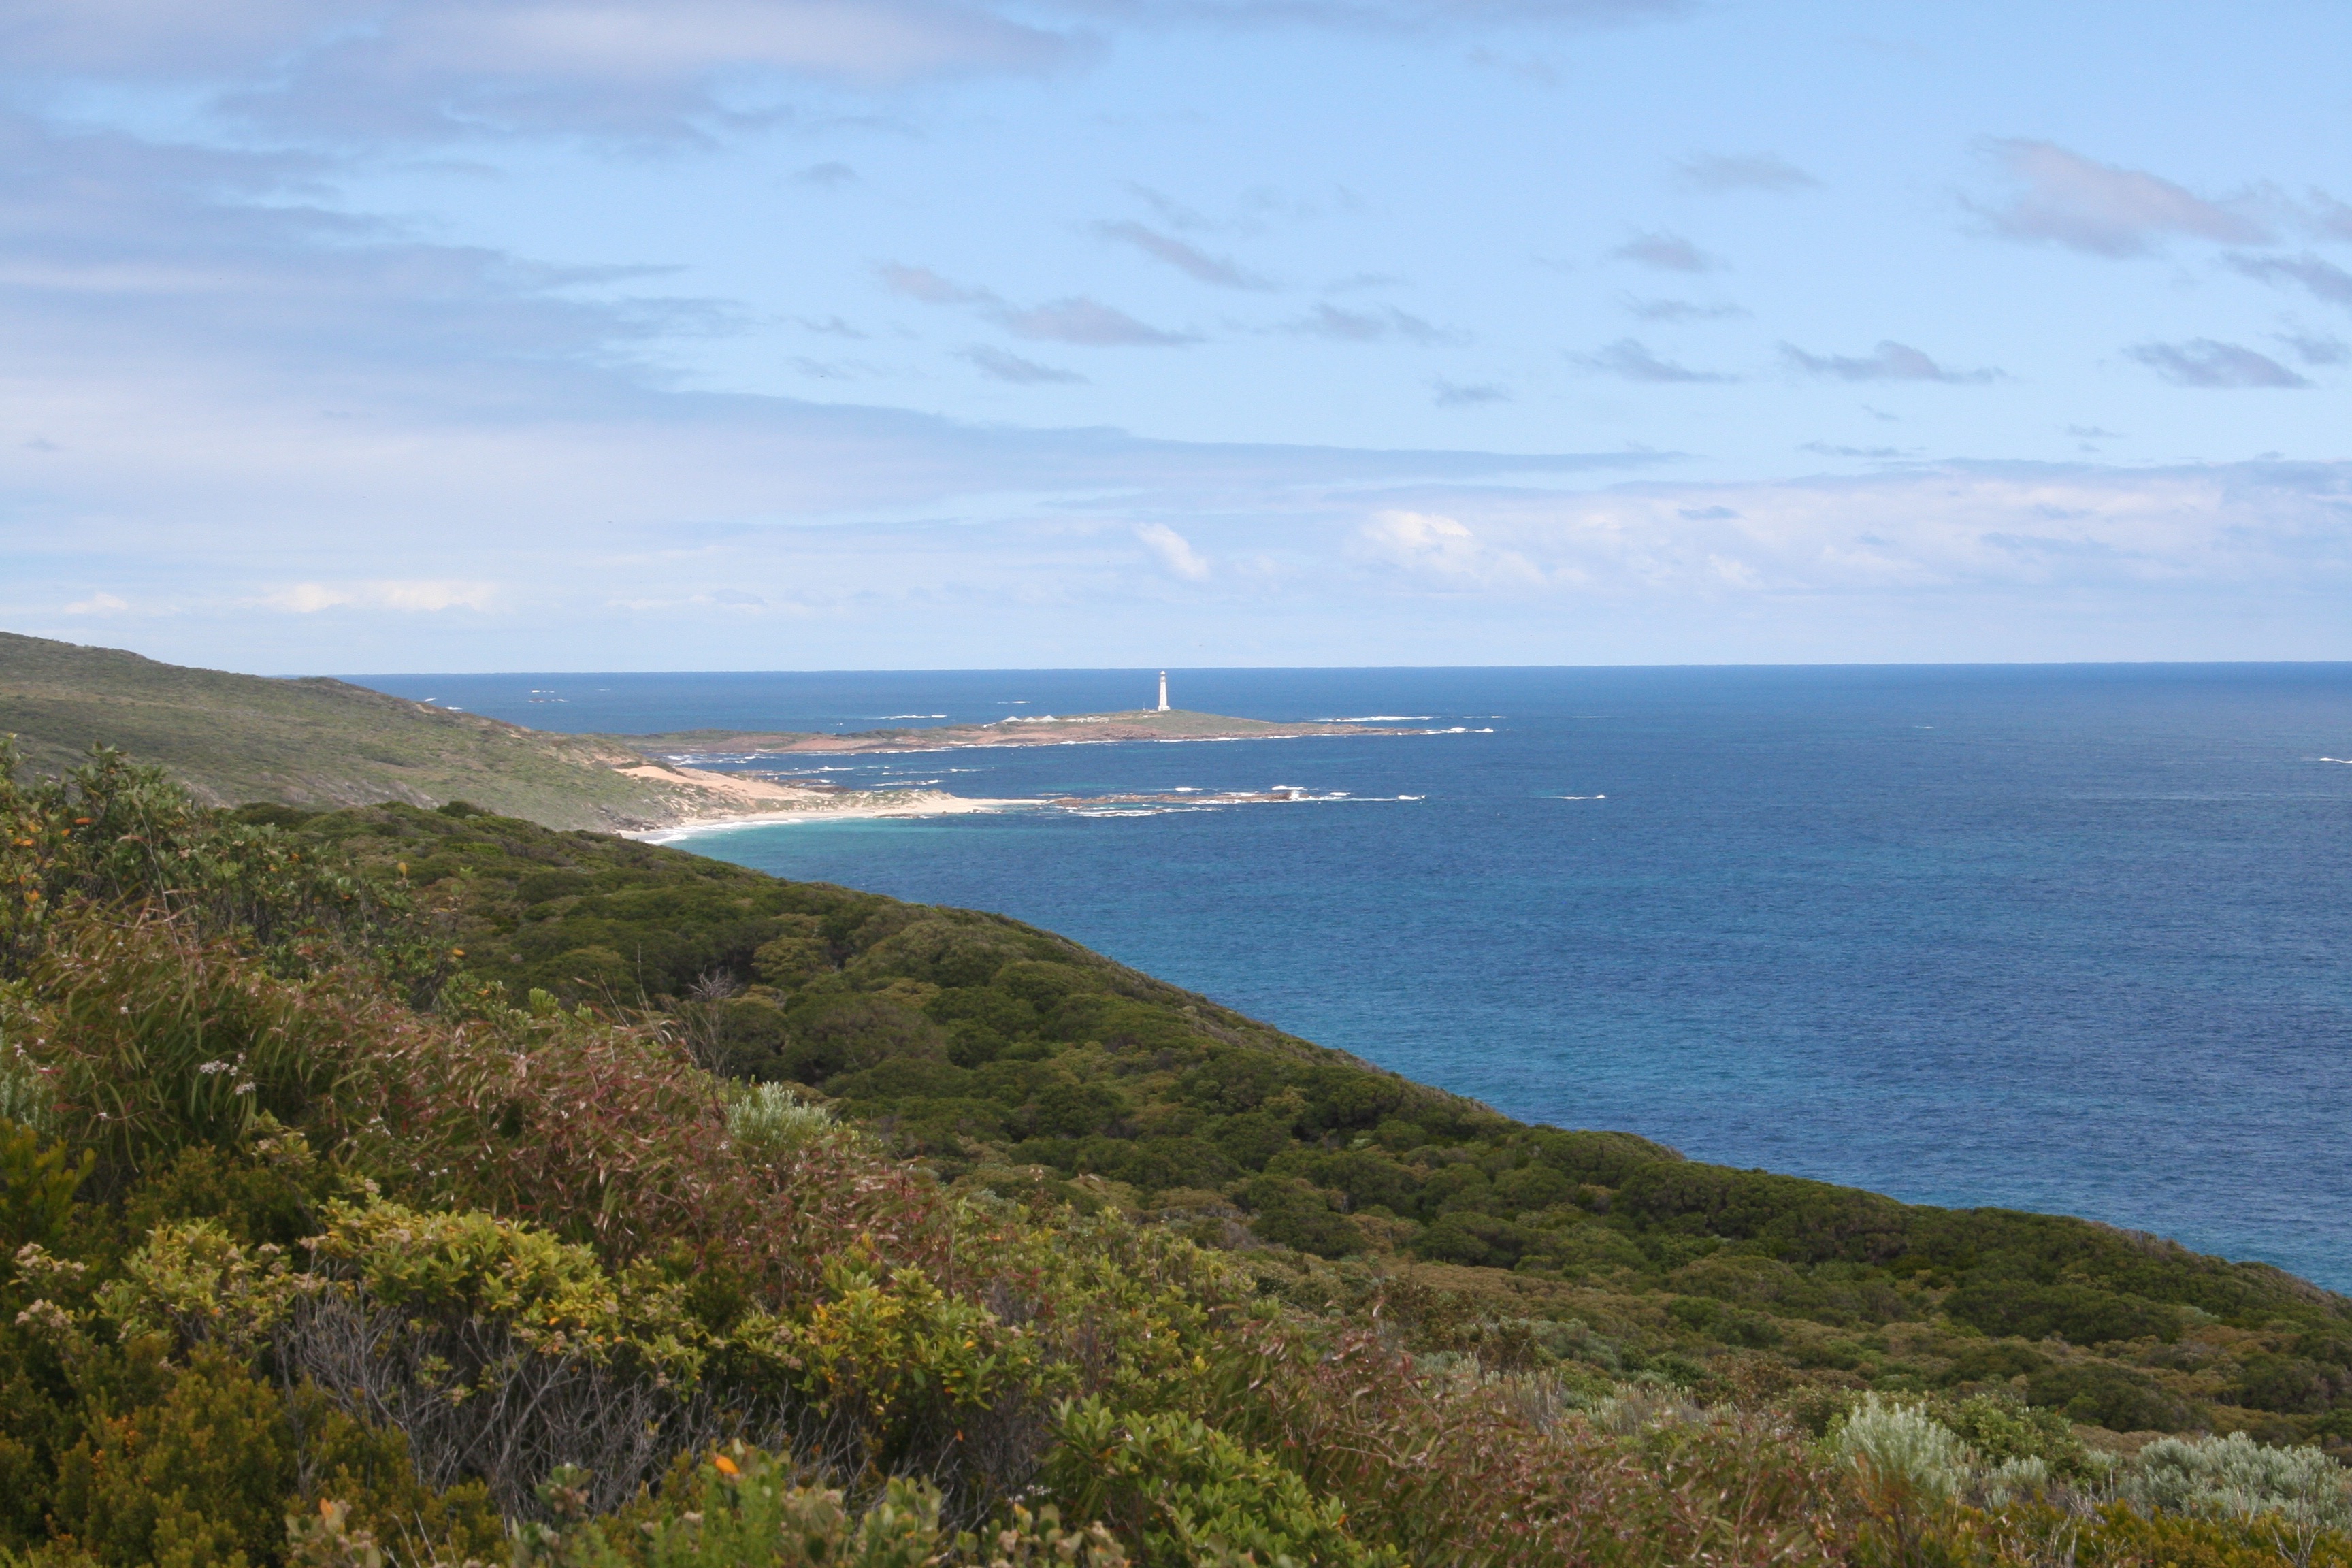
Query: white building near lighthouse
(1163, 691)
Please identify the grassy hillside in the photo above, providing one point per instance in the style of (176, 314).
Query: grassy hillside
(1000, 1054)
(391, 1186)
(235, 738)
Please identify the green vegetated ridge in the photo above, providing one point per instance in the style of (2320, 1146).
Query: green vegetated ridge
(308, 743)
(430, 1188)
(995, 1051)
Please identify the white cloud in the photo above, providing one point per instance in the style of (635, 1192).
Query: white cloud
(98, 604)
(1442, 550)
(415, 596)
(2067, 199)
(1173, 552)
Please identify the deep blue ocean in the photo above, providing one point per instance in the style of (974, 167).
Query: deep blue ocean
(2069, 938)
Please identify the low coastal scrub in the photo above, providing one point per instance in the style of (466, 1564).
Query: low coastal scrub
(349, 1214)
(1005, 1058)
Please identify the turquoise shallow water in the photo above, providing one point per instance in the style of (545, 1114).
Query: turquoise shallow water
(2063, 938)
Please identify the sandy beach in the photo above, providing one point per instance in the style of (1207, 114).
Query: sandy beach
(837, 808)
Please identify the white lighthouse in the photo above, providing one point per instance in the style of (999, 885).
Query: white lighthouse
(1163, 691)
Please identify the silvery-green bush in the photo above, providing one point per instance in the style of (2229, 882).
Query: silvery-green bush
(2013, 1480)
(2237, 1478)
(24, 1100)
(1895, 1443)
(769, 1119)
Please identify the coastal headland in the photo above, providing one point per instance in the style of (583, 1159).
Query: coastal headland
(1046, 730)
(319, 744)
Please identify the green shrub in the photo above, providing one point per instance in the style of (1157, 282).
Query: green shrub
(199, 1481)
(2001, 1429)
(1290, 1212)
(153, 1040)
(2099, 1394)
(796, 956)
(1182, 1493)
(2079, 1313)
(37, 1183)
(746, 1509)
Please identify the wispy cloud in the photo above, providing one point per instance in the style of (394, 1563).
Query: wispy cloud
(1665, 252)
(1714, 174)
(1877, 454)
(1890, 361)
(831, 326)
(999, 364)
(2327, 217)
(1409, 16)
(2204, 361)
(2322, 280)
(1173, 213)
(2063, 198)
(1474, 395)
(2316, 348)
(1218, 271)
(1632, 360)
(455, 69)
(923, 283)
(1088, 323)
(1678, 310)
(98, 604)
(1367, 326)
(825, 175)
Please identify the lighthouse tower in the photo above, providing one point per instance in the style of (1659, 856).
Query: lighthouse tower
(1163, 691)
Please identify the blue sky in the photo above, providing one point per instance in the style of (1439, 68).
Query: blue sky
(447, 334)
